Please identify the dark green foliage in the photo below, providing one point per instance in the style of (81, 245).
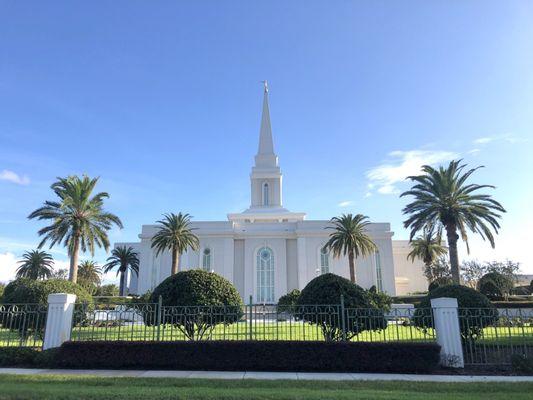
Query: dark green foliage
(319, 303)
(17, 356)
(475, 310)
(287, 302)
(31, 298)
(200, 300)
(522, 364)
(442, 281)
(379, 300)
(252, 356)
(512, 304)
(2, 287)
(521, 291)
(495, 285)
(107, 290)
(22, 291)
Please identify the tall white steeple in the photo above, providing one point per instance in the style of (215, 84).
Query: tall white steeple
(266, 179)
(265, 153)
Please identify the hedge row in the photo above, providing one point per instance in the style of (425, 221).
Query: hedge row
(251, 356)
(513, 304)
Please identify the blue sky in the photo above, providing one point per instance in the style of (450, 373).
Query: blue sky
(162, 100)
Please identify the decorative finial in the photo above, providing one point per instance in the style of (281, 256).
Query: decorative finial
(265, 83)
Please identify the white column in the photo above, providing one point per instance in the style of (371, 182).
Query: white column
(58, 319)
(302, 262)
(446, 322)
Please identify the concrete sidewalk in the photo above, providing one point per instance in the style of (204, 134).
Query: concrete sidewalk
(267, 375)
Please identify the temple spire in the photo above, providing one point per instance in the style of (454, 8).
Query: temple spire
(265, 154)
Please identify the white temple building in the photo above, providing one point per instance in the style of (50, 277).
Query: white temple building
(267, 250)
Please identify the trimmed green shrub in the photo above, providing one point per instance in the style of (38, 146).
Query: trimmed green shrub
(442, 281)
(23, 291)
(199, 301)
(17, 356)
(268, 355)
(379, 300)
(287, 303)
(522, 364)
(319, 303)
(475, 310)
(495, 285)
(106, 290)
(31, 298)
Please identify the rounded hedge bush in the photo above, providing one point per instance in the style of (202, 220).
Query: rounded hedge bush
(287, 303)
(196, 301)
(475, 310)
(319, 303)
(36, 292)
(495, 285)
(442, 281)
(34, 296)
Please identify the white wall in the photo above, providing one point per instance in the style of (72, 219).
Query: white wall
(409, 276)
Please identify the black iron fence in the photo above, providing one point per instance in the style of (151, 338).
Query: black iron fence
(22, 325)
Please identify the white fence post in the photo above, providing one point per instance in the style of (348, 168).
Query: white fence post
(446, 322)
(58, 319)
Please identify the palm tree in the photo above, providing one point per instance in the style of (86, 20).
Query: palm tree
(427, 247)
(89, 275)
(78, 219)
(443, 197)
(35, 264)
(175, 234)
(124, 258)
(350, 237)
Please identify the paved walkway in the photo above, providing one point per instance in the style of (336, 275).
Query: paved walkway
(267, 375)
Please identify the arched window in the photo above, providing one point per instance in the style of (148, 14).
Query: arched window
(265, 275)
(266, 195)
(324, 260)
(379, 277)
(206, 259)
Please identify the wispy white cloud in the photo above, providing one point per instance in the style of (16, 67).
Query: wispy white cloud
(402, 164)
(10, 176)
(474, 151)
(509, 138)
(345, 203)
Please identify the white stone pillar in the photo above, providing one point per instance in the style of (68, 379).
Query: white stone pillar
(58, 319)
(446, 322)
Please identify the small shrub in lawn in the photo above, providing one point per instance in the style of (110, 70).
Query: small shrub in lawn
(287, 303)
(475, 310)
(495, 285)
(200, 300)
(327, 289)
(442, 281)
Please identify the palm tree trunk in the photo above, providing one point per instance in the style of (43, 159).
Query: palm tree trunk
(451, 232)
(351, 261)
(122, 284)
(73, 275)
(175, 261)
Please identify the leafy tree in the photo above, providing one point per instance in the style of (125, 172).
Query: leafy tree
(427, 247)
(439, 269)
(471, 272)
(349, 237)
(174, 233)
(123, 258)
(109, 290)
(89, 275)
(61, 273)
(508, 268)
(442, 281)
(441, 196)
(287, 302)
(35, 264)
(78, 218)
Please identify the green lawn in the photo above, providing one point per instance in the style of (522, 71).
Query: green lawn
(271, 331)
(61, 387)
